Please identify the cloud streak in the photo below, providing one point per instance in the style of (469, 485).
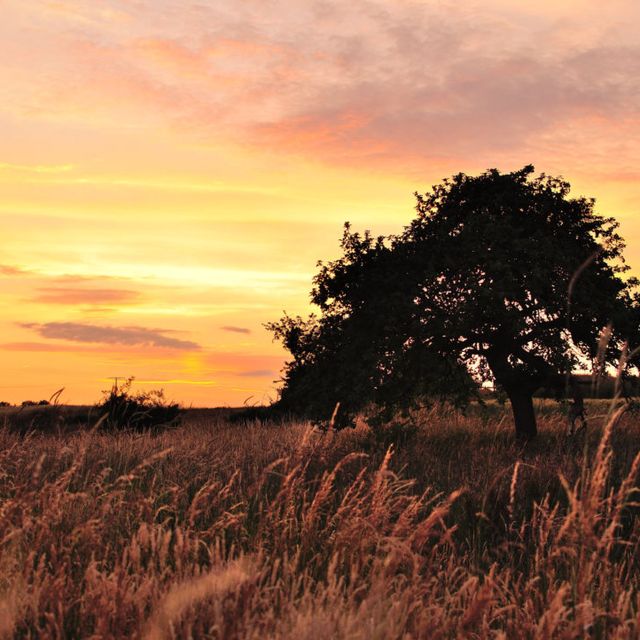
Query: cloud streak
(38, 168)
(85, 296)
(12, 270)
(128, 336)
(256, 373)
(232, 329)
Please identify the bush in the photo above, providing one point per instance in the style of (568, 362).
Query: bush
(122, 409)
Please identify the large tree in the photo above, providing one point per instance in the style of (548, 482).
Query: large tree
(503, 276)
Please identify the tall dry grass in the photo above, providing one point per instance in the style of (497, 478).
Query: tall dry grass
(250, 531)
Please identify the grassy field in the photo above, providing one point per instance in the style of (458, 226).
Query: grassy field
(442, 528)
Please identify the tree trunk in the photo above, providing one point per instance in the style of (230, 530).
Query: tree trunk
(524, 416)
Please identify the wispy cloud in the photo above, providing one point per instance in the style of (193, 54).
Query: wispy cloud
(131, 336)
(381, 81)
(256, 373)
(86, 296)
(49, 347)
(36, 168)
(180, 381)
(12, 270)
(211, 187)
(233, 329)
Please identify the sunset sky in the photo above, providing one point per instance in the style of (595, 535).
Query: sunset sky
(171, 171)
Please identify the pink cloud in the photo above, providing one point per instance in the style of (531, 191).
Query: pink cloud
(397, 84)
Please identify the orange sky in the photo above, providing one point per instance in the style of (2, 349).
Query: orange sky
(171, 171)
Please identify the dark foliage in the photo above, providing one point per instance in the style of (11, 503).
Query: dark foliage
(261, 414)
(122, 409)
(35, 418)
(499, 277)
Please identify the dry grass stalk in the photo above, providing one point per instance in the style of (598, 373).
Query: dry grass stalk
(216, 531)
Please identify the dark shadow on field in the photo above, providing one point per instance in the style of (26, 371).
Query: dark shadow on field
(445, 449)
(504, 482)
(45, 420)
(69, 419)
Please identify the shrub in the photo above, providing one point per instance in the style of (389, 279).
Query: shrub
(122, 409)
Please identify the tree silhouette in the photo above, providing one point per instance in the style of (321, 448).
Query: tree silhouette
(500, 276)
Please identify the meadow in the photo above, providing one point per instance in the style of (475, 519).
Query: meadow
(439, 526)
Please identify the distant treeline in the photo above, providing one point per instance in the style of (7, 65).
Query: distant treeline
(590, 387)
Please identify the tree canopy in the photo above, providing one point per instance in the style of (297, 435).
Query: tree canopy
(500, 277)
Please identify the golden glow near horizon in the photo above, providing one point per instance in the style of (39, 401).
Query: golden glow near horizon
(170, 172)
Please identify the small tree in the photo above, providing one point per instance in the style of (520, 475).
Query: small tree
(503, 276)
